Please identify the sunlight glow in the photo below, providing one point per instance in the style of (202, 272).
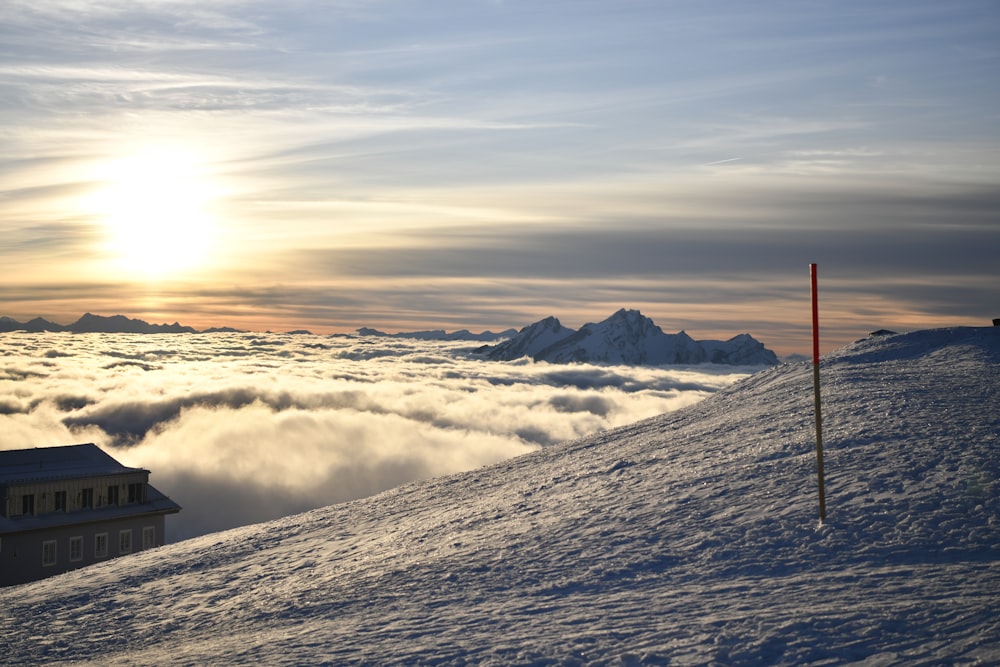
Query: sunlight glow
(155, 207)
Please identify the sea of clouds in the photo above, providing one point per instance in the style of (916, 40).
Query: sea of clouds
(241, 428)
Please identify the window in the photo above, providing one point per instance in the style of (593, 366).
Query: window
(125, 541)
(148, 537)
(75, 549)
(137, 493)
(87, 498)
(28, 503)
(48, 553)
(112, 495)
(60, 501)
(101, 545)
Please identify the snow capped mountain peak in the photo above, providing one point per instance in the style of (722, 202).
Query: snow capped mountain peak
(629, 318)
(548, 324)
(626, 325)
(529, 341)
(626, 337)
(740, 349)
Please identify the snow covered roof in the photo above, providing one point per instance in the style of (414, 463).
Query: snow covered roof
(44, 464)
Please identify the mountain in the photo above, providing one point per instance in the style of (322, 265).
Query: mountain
(440, 334)
(742, 349)
(529, 341)
(90, 323)
(689, 538)
(36, 325)
(627, 337)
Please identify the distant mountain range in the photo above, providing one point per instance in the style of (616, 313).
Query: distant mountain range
(627, 337)
(91, 323)
(441, 334)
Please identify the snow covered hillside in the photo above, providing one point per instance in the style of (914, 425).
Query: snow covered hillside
(689, 538)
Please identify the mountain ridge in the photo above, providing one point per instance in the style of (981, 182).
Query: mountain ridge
(626, 337)
(440, 334)
(91, 323)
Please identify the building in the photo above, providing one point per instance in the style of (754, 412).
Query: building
(62, 508)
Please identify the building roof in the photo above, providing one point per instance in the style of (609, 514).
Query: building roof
(44, 464)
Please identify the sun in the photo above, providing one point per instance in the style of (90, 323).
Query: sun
(155, 209)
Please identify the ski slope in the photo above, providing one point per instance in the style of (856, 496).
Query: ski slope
(689, 538)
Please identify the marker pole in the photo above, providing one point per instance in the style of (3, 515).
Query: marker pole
(819, 419)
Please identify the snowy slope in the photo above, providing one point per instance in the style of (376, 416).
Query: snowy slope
(690, 538)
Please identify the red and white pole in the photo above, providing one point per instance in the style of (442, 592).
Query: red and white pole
(819, 418)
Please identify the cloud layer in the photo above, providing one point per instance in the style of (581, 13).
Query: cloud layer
(240, 428)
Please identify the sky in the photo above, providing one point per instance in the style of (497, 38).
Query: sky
(484, 164)
(246, 427)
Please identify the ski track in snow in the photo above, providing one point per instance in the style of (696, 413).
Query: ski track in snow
(689, 538)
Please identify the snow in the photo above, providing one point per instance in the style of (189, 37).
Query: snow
(626, 337)
(530, 341)
(688, 538)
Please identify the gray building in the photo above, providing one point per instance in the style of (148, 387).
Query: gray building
(62, 508)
